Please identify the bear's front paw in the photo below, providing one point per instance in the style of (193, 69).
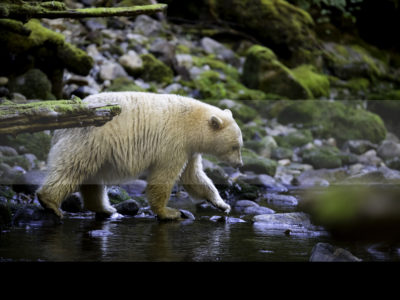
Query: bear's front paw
(169, 213)
(226, 208)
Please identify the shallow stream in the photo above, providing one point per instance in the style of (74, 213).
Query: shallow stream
(83, 238)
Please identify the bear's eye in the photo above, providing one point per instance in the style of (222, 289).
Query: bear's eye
(235, 148)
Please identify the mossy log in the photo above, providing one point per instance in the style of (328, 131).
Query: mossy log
(55, 9)
(49, 115)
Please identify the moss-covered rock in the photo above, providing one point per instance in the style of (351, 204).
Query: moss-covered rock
(334, 119)
(263, 71)
(294, 139)
(353, 61)
(287, 28)
(214, 85)
(37, 143)
(46, 45)
(323, 158)
(124, 84)
(33, 84)
(257, 164)
(156, 70)
(387, 106)
(318, 85)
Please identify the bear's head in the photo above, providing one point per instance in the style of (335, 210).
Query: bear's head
(226, 141)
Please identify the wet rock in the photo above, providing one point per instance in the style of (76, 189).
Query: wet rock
(73, 203)
(278, 199)
(29, 182)
(251, 208)
(321, 177)
(359, 146)
(35, 216)
(388, 149)
(135, 187)
(287, 223)
(227, 220)
(117, 194)
(128, 207)
(373, 175)
(324, 252)
(185, 214)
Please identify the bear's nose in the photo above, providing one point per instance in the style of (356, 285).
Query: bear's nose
(239, 165)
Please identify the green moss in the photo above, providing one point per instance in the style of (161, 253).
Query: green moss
(318, 85)
(156, 70)
(182, 49)
(34, 84)
(257, 164)
(358, 84)
(262, 71)
(216, 65)
(334, 119)
(295, 139)
(354, 61)
(43, 41)
(37, 143)
(263, 19)
(124, 84)
(323, 158)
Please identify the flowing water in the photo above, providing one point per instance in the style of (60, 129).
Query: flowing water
(83, 238)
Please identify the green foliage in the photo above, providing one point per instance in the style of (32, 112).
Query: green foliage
(346, 7)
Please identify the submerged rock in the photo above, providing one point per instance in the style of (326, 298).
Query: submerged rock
(35, 216)
(128, 207)
(251, 208)
(324, 252)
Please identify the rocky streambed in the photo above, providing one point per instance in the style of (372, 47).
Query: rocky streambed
(320, 176)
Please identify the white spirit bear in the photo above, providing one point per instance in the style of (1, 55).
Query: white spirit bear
(163, 134)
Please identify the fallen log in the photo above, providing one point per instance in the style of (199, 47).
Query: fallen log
(20, 10)
(48, 115)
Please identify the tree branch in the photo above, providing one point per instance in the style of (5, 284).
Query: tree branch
(49, 115)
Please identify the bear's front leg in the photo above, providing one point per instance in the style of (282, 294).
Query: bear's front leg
(158, 191)
(199, 186)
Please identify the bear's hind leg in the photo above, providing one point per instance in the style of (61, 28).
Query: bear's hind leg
(51, 196)
(96, 199)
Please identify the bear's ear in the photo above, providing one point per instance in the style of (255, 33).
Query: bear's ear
(215, 123)
(228, 111)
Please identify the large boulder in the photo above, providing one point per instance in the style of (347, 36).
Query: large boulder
(286, 28)
(263, 71)
(334, 119)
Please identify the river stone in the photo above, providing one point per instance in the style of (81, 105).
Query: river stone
(110, 70)
(324, 252)
(359, 146)
(287, 223)
(128, 207)
(35, 216)
(321, 177)
(388, 149)
(251, 208)
(213, 47)
(131, 62)
(135, 187)
(73, 203)
(28, 182)
(278, 199)
(147, 26)
(8, 151)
